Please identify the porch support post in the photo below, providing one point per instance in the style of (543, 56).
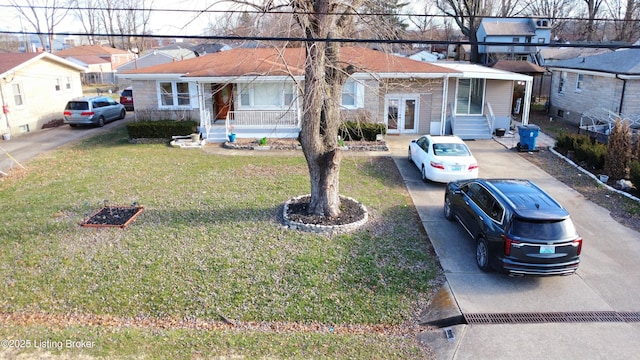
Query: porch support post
(527, 101)
(445, 100)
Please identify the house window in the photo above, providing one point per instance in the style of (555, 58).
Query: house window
(174, 94)
(515, 40)
(352, 95)
(18, 97)
(579, 82)
(470, 97)
(67, 84)
(541, 40)
(58, 85)
(266, 95)
(561, 82)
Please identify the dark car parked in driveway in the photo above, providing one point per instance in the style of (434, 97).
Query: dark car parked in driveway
(518, 228)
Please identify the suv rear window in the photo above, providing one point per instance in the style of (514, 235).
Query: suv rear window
(127, 93)
(77, 105)
(543, 230)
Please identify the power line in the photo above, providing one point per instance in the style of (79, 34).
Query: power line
(338, 40)
(291, 12)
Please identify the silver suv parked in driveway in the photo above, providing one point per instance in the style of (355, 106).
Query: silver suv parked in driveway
(93, 110)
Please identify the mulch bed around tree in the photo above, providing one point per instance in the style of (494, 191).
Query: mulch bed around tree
(351, 212)
(113, 216)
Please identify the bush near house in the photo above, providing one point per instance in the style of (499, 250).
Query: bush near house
(357, 131)
(585, 149)
(634, 173)
(162, 129)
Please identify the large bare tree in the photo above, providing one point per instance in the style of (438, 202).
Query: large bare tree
(325, 76)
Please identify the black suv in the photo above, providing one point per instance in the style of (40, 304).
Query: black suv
(518, 228)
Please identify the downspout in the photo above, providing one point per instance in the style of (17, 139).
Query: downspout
(445, 95)
(624, 87)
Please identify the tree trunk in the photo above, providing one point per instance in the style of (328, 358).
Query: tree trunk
(319, 130)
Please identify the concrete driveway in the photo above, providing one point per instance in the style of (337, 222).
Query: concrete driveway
(24, 147)
(607, 281)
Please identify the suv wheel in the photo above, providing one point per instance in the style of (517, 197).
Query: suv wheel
(101, 121)
(122, 114)
(482, 254)
(448, 211)
(409, 156)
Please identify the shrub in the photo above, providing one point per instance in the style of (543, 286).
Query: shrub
(619, 151)
(570, 141)
(162, 129)
(356, 130)
(634, 173)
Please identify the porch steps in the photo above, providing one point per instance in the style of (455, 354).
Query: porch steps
(468, 128)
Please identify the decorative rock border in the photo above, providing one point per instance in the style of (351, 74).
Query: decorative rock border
(323, 229)
(351, 146)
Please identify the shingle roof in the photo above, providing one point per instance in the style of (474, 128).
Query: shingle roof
(274, 62)
(10, 60)
(625, 61)
(508, 28)
(97, 50)
(518, 66)
(90, 59)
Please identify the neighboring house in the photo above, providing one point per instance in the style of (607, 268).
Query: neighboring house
(258, 91)
(97, 69)
(34, 89)
(608, 81)
(115, 57)
(515, 38)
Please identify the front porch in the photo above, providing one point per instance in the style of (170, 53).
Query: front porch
(251, 124)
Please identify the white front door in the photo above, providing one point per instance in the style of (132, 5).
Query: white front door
(401, 114)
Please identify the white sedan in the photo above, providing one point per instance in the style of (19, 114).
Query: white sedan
(443, 158)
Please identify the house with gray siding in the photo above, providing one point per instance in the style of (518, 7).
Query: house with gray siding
(608, 81)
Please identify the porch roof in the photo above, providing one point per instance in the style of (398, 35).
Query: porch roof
(482, 72)
(244, 62)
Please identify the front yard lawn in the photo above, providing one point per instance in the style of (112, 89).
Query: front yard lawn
(207, 269)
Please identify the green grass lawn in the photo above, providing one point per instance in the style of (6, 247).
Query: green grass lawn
(208, 247)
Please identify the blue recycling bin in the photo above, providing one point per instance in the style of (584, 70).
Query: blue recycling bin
(528, 136)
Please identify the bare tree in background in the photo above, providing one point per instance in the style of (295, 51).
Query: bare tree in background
(122, 20)
(590, 26)
(625, 15)
(556, 10)
(467, 14)
(90, 20)
(43, 16)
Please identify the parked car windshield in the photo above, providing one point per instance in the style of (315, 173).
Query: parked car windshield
(77, 105)
(543, 230)
(441, 149)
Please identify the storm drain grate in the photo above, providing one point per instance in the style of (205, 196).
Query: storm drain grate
(552, 317)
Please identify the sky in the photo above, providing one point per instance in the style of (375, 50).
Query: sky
(179, 23)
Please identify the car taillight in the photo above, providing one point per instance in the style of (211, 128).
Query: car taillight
(473, 167)
(87, 113)
(507, 244)
(578, 243)
(437, 165)
(67, 113)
